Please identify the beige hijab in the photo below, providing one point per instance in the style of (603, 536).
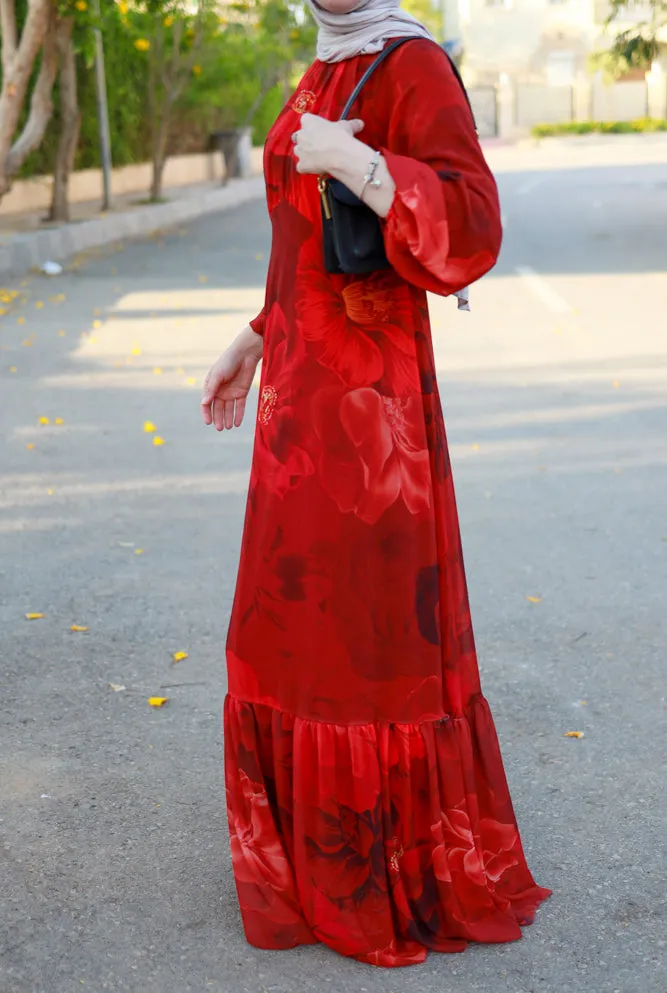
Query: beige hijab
(364, 30)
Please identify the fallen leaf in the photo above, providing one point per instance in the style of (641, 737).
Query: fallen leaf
(157, 440)
(43, 420)
(78, 627)
(157, 701)
(116, 687)
(149, 427)
(573, 734)
(33, 617)
(534, 599)
(179, 656)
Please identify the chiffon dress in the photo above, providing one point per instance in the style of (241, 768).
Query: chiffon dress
(367, 801)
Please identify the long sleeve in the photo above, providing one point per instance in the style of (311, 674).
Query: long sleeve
(443, 229)
(258, 323)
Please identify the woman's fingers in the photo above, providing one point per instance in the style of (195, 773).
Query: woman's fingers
(206, 411)
(240, 411)
(354, 126)
(219, 414)
(229, 414)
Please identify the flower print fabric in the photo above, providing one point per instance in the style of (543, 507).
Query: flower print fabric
(368, 805)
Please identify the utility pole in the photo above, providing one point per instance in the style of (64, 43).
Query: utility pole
(102, 110)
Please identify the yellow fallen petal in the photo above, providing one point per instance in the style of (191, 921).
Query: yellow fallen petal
(179, 656)
(203, 279)
(59, 421)
(43, 420)
(149, 427)
(616, 384)
(573, 734)
(12, 368)
(30, 445)
(138, 551)
(39, 305)
(475, 447)
(61, 334)
(49, 492)
(135, 351)
(157, 701)
(97, 324)
(534, 599)
(78, 627)
(180, 372)
(157, 440)
(259, 257)
(97, 312)
(33, 617)
(26, 342)
(92, 340)
(20, 320)
(157, 371)
(191, 381)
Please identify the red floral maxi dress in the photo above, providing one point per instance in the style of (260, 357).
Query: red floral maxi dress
(368, 806)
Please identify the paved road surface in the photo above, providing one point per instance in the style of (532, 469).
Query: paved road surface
(115, 866)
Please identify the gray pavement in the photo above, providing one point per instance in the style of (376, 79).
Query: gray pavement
(114, 865)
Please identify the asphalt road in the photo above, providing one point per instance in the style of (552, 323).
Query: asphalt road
(115, 871)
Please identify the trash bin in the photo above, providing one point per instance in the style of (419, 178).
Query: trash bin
(236, 147)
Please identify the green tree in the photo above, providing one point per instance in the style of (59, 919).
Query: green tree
(172, 36)
(636, 46)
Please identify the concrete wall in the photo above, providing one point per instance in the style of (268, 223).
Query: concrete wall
(182, 170)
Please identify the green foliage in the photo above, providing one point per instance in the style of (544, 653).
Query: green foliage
(633, 47)
(238, 76)
(644, 125)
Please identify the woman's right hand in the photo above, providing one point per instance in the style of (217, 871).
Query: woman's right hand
(228, 381)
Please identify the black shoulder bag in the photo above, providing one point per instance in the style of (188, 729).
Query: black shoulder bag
(352, 235)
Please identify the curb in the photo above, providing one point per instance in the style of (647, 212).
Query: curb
(30, 250)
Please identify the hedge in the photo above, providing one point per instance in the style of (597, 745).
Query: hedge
(644, 125)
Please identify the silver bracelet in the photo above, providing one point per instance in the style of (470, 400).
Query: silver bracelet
(370, 179)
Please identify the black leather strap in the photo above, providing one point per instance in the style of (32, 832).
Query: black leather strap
(378, 62)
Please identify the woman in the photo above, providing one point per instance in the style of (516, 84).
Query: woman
(367, 801)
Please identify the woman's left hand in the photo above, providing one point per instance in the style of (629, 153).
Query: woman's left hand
(319, 144)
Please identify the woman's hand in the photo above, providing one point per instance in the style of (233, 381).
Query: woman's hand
(319, 144)
(228, 381)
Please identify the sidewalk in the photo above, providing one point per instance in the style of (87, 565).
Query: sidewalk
(27, 242)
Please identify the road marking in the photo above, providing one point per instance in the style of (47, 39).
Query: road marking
(539, 287)
(531, 185)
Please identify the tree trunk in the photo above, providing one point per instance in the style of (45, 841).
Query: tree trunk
(160, 138)
(18, 59)
(160, 155)
(70, 122)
